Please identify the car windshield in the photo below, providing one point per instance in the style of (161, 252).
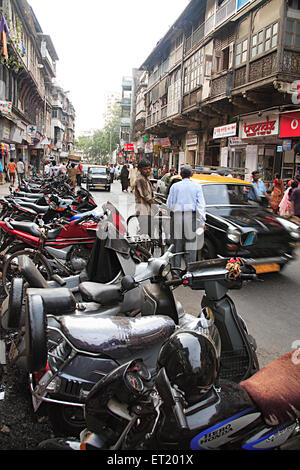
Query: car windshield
(225, 194)
(98, 171)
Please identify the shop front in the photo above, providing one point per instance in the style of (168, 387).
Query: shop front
(290, 135)
(192, 149)
(260, 136)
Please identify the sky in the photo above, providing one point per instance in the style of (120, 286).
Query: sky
(100, 41)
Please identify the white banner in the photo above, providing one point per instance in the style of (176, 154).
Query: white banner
(225, 131)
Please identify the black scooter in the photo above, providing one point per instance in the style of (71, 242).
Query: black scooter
(100, 343)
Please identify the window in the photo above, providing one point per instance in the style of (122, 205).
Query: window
(264, 40)
(241, 52)
(193, 71)
(292, 34)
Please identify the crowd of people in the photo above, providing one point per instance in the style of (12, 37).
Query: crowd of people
(283, 200)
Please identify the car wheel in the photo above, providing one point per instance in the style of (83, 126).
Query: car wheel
(208, 251)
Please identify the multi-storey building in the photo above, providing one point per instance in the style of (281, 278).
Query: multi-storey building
(27, 69)
(125, 121)
(221, 87)
(111, 100)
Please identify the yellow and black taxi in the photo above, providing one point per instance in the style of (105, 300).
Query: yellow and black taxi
(230, 214)
(98, 178)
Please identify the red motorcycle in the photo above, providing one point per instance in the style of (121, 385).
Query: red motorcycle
(62, 247)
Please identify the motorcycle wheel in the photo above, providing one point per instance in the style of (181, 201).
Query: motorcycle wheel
(15, 302)
(11, 268)
(66, 420)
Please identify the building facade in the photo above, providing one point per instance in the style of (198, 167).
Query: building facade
(221, 82)
(27, 70)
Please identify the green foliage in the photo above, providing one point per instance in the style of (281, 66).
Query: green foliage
(99, 147)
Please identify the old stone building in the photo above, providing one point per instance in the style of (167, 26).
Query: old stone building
(221, 82)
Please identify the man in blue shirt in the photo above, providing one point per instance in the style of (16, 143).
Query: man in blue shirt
(259, 188)
(187, 206)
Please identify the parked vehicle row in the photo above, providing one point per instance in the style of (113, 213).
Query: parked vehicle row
(115, 361)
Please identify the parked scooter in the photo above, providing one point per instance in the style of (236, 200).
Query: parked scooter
(84, 348)
(184, 406)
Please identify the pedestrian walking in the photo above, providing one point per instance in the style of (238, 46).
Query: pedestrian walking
(12, 168)
(187, 207)
(133, 172)
(285, 206)
(295, 200)
(124, 177)
(47, 169)
(277, 193)
(72, 173)
(79, 172)
(112, 173)
(144, 199)
(63, 168)
(259, 188)
(20, 171)
(54, 170)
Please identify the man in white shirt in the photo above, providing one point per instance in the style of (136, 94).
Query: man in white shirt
(54, 170)
(20, 171)
(187, 206)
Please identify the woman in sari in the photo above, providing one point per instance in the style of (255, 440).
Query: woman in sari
(277, 193)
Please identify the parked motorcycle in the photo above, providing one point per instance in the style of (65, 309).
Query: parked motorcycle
(184, 406)
(61, 247)
(46, 206)
(85, 347)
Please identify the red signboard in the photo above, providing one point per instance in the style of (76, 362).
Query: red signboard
(129, 147)
(290, 125)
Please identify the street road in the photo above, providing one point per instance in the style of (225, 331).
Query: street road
(270, 308)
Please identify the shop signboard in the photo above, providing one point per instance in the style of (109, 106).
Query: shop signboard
(165, 142)
(192, 140)
(228, 130)
(6, 107)
(148, 147)
(252, 127)
(290, 125)
(129, 147)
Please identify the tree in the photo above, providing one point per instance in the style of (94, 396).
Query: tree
(103, 142)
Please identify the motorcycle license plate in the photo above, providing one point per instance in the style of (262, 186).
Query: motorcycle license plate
(267, 268)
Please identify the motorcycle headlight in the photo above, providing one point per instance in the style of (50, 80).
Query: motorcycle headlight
(291, 227)
(234, 235)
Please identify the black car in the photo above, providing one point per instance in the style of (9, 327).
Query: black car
(230, 214)
(98, 178)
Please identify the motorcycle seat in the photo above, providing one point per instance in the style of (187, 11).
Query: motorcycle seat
(35, 207)
(53, 234)
(56, 300)
(102, 294)
(275, 389)
(27, 227)
(29, 195)
(117, 337)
